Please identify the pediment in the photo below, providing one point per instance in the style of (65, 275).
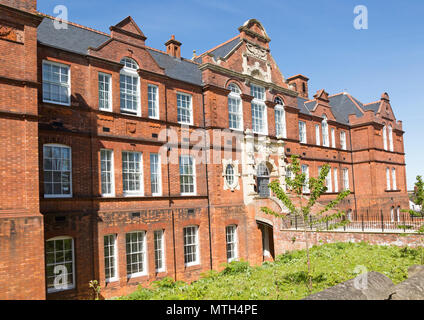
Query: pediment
(129, 27)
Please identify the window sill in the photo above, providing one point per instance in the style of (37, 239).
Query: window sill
(136, 276)
(58, 103)
(57, 197)
(397, 190)
(133, 195)
(52, 291)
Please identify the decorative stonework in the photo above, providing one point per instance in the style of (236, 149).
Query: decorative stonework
(256, 51)
(8, 32)
(235, 165)
(256, 70)
(256, 151)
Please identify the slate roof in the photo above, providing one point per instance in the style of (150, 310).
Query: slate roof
(179, 69)
(342, 106)
(373, 106)
(78, 39)
(222, 50)
(72, 39)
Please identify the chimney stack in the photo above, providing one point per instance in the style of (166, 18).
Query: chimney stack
(300, 84)
(173, 47)
(26, 5)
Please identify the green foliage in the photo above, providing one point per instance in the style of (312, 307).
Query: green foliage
(285, 278)
(236, 267)
(95, 286)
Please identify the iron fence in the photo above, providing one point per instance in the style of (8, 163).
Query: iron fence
(376, 222)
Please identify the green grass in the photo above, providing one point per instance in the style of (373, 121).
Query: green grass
(285, 279)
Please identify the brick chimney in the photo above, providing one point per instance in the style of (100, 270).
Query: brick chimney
(27, 5)
(173, 47)
(300, 84)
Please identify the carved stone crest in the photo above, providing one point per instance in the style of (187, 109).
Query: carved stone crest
(256, 52)
(10, 33)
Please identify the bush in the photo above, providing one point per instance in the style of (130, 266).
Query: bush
(236, 267)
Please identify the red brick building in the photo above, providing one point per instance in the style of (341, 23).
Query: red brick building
(88, 121)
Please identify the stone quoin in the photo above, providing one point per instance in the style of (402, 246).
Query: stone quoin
(84, 182)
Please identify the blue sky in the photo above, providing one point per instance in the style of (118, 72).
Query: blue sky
(312, 37)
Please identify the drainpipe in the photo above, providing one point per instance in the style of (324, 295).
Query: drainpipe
(169, 187)
(353, 171)
(207, 185)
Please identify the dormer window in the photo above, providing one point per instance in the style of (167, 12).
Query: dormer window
(130, 91)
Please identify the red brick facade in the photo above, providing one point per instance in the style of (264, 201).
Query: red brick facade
(29, 218)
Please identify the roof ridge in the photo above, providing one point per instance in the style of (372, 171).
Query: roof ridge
(337, 94)
(367, 104)
(163, 52)
(218, 46)
(75, 24)
(355, 103)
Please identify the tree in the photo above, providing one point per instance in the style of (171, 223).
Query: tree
(304, 205)
(418, 200)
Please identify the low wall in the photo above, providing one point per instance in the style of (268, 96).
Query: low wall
(289, 240)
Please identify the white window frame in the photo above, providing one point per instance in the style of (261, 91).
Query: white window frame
(112, 173)
(143, 252)
(136, 193)
(317, 135)
(329, 182)
(259, 102)
(282, 121)
(52, 196)
(336, 180)
(158, 174)
(115, 258)
(234, 243)
(302, 132)
(68, 86)
(109, 92)
(129, 72)
(194, 175)
(346, 183)
(161, 251)
(391, 147)
(190, 109)
(385, 137)
(154, 102)
(235, 95)
(333, 138)
(343, 140)
(398, 213)
(394, 179)
(305, 169)
(388, 181)
(325, 135)
(66, 287)
(196, 244)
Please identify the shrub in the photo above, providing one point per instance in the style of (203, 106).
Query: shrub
(236, 267)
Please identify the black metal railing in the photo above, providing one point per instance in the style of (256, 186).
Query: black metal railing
(367, 222)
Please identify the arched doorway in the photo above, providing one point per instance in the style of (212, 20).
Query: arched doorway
(262, 178)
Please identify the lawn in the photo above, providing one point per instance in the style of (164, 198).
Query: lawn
(285, 279)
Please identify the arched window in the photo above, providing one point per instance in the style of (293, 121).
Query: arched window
(129, 84)
(392, 214)
(60, 266)
(230, 175)
(391, 138)
(398, 214)
(280, 118)
(57, 165)
(263, 176)
(235, 110)
(385, 137)
(324, 125)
